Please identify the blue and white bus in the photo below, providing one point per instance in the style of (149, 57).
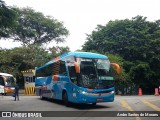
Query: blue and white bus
(77, 77)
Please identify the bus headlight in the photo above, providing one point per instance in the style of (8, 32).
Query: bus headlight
(82, 92)
(112, 92)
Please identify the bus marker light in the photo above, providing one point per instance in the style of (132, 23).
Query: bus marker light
(112, 92)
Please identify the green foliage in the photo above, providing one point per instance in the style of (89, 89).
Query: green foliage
(15, 60)
(29, 27)
(137, 41)
(56, 51)
(32, 29)
(35, 28)
(7, 20)
(140, 72)
(123, 77)
(128, 38)
(23, 58)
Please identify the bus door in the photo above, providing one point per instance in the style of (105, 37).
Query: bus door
(72, 78)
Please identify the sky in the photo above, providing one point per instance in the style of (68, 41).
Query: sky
(81, 17)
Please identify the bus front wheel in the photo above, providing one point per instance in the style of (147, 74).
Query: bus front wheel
(65, 99)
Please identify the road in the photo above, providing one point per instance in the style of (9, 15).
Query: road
(122, 103)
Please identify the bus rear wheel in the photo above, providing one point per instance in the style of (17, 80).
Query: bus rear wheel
(4, 94)
(65, 99)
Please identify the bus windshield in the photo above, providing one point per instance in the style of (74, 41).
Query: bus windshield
(10, 81)
(95, 73)
(7, 81)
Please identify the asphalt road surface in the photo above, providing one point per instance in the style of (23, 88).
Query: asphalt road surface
(123, 108)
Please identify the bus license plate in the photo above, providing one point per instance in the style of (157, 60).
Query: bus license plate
(99, 99)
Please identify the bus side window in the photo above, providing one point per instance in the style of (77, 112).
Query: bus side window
(62, 68)
(72, 73)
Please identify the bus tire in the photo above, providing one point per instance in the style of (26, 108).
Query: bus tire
(4, 94)
(65, 99)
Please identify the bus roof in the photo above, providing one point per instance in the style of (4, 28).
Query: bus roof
(84, 54)
(6, 74)
(76, 54)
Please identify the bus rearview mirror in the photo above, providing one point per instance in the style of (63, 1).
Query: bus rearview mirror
(117, 67)
(77, 67)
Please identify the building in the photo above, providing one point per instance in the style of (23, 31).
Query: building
(29, 81)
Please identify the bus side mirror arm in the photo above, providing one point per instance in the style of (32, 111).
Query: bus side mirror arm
(77, 67)
(117, 67)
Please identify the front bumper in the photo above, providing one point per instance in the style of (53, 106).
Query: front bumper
(94, 97)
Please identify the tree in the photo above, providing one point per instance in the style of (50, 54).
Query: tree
(114, 58)
(57, 51)
(18, 59)
(7, 20)
(136, 41)
(23, 58)
(35, 28)
(129, 38)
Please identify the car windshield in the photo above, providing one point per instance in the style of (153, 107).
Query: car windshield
(95, 73)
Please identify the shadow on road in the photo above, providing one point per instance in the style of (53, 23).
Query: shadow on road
(77, 106)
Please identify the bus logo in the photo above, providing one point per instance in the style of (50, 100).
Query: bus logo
(6, 114)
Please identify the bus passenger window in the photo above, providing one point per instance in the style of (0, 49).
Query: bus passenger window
(72, 74)
(62, 68)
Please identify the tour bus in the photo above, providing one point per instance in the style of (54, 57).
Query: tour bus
(7, 83)
(77, 77)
